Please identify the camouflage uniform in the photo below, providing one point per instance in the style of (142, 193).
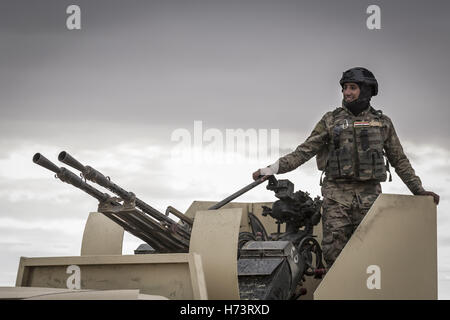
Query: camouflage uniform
(353, 177)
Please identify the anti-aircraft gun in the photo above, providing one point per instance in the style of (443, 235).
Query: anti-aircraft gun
(270, 266)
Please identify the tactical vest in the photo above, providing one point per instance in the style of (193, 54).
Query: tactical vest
(355, 149)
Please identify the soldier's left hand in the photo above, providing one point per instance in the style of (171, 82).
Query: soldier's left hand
(431, 193)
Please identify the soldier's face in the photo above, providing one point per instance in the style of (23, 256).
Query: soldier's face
(350, 91)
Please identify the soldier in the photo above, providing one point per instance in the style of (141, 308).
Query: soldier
(350, 144)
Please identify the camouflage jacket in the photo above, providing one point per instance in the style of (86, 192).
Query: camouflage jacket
(320, 141)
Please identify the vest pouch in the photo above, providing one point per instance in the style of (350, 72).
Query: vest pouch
(365, 165)
(372, 166)
(346, 162)
(322, 158)
(332, 169)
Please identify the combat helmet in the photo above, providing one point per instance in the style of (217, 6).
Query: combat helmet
(360, 76)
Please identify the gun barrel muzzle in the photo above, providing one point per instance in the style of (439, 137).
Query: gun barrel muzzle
(66, 158)
(44, 162)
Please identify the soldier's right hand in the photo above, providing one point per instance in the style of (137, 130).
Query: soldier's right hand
(256, 174)
(267, 171)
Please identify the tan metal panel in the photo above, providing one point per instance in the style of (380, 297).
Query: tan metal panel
(101, 236)
(215, 237)
(28, 293)
(197, 206)
(392, 254)
(175, 276)
(99, 295)
(198, 277)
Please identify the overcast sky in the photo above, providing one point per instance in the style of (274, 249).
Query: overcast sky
(113, 94)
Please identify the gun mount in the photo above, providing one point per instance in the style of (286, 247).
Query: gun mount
(270, 266)
(297, 209)
(273, 266)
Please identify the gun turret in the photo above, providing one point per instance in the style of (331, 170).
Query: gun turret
(269, 266)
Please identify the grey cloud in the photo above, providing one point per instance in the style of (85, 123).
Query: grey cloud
(444, 241)
(174, 62)
(33, 243)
